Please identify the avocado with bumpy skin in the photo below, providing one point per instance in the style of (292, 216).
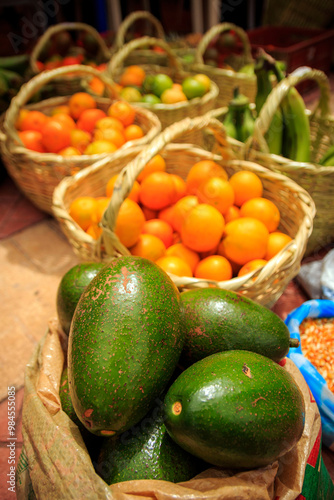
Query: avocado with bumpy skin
(124, 344)
(220, 320)
(235, 409)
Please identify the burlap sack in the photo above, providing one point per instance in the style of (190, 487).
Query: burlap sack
(55, 464)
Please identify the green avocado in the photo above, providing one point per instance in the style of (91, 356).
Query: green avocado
(219, 320)
(70, 288)
(124, 344)
(235, 409)
(146, 451)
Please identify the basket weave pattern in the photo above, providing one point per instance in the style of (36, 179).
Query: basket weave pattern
(167, 113)
(294, 203)
(37, 174)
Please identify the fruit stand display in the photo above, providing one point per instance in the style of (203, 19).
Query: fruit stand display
(198, 101)
(57, 48)
(227, 77)
(38, 170)
(265, 283)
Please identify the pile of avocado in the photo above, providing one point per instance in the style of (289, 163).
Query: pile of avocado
(163, 384)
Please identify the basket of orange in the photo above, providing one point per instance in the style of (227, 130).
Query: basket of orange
(66, 44)
(43, 142)
(231, 71)
(169, 91)
(206, 219)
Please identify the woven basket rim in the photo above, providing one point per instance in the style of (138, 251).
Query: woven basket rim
(131, 19)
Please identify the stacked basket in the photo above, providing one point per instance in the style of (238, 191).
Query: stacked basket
(264, 285)
(37, 174)
(67, 84)
(167, 113)
(316, 179)
(227, 79)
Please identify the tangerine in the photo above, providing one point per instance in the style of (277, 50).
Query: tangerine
(156, 164)
(33, 120)
(181, 209)
(65, 119)
(232, 213)
(83, 211)
(129, 223)
(132, 75)
(161, 229)
(276, 242)
(133, 132)
(69, 151)
(252, 265)
(202, 228)
(217, 192)
(79, 102)
(180, 187)
(80, 139)
(32, 139)
(100, 147)
(245, 239)
(246, 185)
(148, 246)
(88, 119)
(201, 171)
(174, 265)
(109, 122)
(123, 111)
(110, 134)
(214, 267)
(185, 253)
(262, 209)
(157, 190)
(55, 136)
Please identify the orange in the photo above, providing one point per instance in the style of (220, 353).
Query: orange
(148, 246)
(100, 147)
(245, 239)
(109, 122)
(276, 242)
(216, 192)
(263, 210)
(220, 251)
(180, 210)
(252, 265)
(200, 172)
(110, 134)
(189, 256)
(130, 94)
(33, 120)
(214, 267)
(174, 265)
(132, 75)
(65, 120)
(157, 190)
(161, 229)
(94, 231)
(123, 111)
(69, 151)
(88, 118)
(166, 214)
(79, 102)
(63, 108)
(180, 187)
(80, 139)
(202, 228)
(156, 164)
(55, 136)
(96, 85)
(232, 213)
(129, 223)
(246, 185)
(134, 193)
(173, 96)
(102, 203)
(133, 132)
(83, 211)
(32, 139)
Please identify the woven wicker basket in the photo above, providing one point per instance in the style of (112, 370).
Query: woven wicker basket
(37, 174)
(67, 84)
(167, 113)
(314, 178)
(226, 79)
(295, 204)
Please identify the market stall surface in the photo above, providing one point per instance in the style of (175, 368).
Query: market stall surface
(34, 255)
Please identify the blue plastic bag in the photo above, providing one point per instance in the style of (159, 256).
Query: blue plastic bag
(317, 384)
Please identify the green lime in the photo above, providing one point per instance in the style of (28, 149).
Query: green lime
(160, 83)
(193, 88)
(131, 94)
(151, 99)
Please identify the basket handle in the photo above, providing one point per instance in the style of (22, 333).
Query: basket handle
(278, 93)
(66, 27)
(217, 30)
(129, 173)
(29, 88)
(118, 58)
(131, 19)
